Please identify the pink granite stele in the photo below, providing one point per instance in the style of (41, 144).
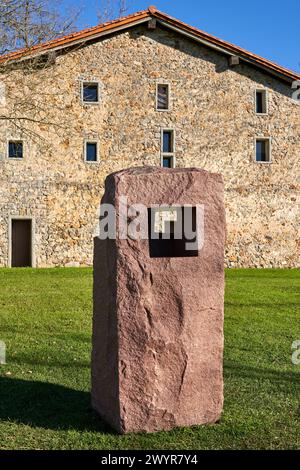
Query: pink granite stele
(157, 360)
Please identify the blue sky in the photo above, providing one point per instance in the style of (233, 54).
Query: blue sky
(269, 28)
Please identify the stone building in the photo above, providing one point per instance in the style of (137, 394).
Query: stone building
(145, 90)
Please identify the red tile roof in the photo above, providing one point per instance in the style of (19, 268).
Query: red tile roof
(151, 12)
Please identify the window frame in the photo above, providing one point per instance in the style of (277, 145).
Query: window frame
(90, 82)
(265, 93)
(170, 157)
(2, 94)
(15, 140)
(168, 109)
(269, 140)
(163, 154)
(91, 141)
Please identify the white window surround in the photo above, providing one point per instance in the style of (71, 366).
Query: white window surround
(89, 82)
(163, 83)
(2, 94)
(91, 141)
(266, 101)
(168, 154)
(15, 139)
(269, 140)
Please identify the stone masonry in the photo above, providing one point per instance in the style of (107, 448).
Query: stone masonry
(213, 116)
(157, 360)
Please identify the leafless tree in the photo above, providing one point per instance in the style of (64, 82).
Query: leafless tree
(25, 24)
(111, 9)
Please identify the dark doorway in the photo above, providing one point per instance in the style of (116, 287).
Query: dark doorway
(21, 243)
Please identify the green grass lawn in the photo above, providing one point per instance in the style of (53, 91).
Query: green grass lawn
(45, 321)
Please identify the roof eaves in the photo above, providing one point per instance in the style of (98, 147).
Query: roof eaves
(224, 46)
(80, 36)
(139, 17)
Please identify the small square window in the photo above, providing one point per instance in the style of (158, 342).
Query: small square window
(261, 102)
(15, 149)
(162, 98)
(263, 150)
(90, 92)
(167, 162)
(91, 151)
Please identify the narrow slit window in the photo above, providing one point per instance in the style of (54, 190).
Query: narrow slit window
(163, 92)
(263, 150)
(261, 102)
(91, 152)
(15, 149)
(90, 92)
(168, 141)
(168, 149)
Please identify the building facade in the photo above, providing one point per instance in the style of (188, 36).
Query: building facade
(145, 90)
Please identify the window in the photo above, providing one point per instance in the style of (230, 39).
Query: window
(263, 150)
(261, 105)
(91, 151)
(2, 94)
(90, 92)
(15, 149)
(167, 162)
(168, 148)
(168, 141)
(162, 97)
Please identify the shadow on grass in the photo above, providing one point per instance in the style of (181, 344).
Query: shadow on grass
(267, 305)
(26, 359)
(241, 370)
(48, 406)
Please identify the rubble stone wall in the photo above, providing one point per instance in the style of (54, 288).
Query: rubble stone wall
(212, 113)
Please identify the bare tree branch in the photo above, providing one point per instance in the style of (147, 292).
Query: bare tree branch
(111, 9)
(24, 24)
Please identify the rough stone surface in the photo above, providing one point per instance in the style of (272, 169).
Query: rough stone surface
(158, 322)
(213, 114)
